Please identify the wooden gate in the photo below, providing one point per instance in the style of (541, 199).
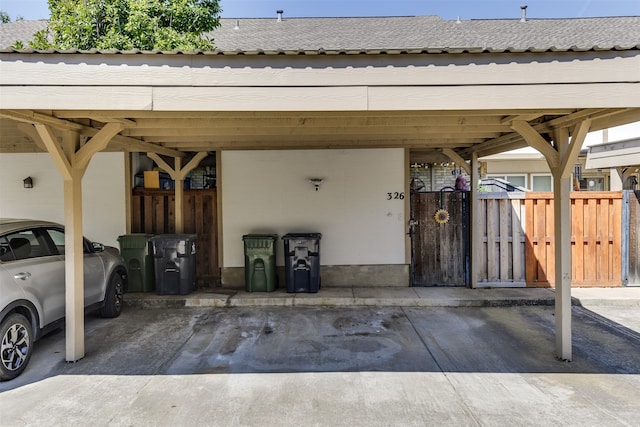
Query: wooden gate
(153, 212)
(440, 252)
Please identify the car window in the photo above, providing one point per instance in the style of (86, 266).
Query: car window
(57, 236)
(5, 250)
(23, 244)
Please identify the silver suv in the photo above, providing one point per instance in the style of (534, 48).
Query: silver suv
(32, 286)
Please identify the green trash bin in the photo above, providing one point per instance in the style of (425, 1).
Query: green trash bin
(260, 262)
(134, 248)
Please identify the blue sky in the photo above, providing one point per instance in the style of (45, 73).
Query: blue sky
(447, 9)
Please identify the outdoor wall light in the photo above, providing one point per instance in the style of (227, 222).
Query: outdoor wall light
(28, 182)
(316, 182)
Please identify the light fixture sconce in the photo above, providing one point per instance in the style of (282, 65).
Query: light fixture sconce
(316, 182)
(27, 182)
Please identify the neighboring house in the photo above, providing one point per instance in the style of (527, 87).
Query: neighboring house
(621, 159)
(352, 101)
(610, 166)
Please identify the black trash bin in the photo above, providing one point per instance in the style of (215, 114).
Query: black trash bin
(175, 263)
(302, 261)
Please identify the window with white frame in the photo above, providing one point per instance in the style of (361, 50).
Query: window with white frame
(519, 180)
(541, 182)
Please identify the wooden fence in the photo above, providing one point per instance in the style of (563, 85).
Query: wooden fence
(153, 212)
(501, 220)
(518, 239)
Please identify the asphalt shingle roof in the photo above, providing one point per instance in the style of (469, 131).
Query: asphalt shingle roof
(426, 32)
(20, 31)
(400, 34)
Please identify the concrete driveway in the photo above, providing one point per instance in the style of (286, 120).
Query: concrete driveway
(333, 366)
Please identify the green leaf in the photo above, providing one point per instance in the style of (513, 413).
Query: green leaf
(130, 24)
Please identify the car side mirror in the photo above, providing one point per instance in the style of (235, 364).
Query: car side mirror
(97, 247)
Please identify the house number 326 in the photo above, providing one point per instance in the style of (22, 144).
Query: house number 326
(395, 196)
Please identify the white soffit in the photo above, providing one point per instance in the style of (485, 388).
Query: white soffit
(615, 154)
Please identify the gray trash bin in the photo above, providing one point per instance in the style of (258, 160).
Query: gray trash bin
(174, 263)
(302, 261)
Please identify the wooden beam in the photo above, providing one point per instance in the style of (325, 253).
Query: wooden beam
(137, 146)
(514, 140)
(129, 144)
(534, 139)
(97, 143)
(160, 162)
(474, 131)
(193, 163)
(258, 142)
(32, 117)
(457, 159)
(110, 119)
(53, 147)
(312, 122)
(29, 130)
(618, 119)
(251, 115)
(521, 117)
(570, 157)
(178, 174)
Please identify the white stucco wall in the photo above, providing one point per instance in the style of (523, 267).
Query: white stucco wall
(269, 192)
(103, 193)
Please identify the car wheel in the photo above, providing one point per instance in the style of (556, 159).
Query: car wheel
(114, 297)
(15, 347)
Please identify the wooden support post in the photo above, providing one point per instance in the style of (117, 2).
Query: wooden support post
(74, 267)
(560, 159)
(562, 236)
(476, 236)
(72, 161)
(128, 185)
(219, 189)
(407, 212)
(178, 174)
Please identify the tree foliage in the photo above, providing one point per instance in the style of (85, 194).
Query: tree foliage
(129, 24)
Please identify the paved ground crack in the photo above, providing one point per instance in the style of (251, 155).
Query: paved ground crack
(462, 401)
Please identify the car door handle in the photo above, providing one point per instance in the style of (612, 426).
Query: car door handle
(22, 276)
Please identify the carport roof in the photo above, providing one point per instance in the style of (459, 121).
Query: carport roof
(403, 34)
(441, 84)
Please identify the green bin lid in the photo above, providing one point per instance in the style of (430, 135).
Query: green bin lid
(260, 237)
(133, 241)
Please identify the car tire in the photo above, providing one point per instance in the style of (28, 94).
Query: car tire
(16, 346)
(114, 296)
